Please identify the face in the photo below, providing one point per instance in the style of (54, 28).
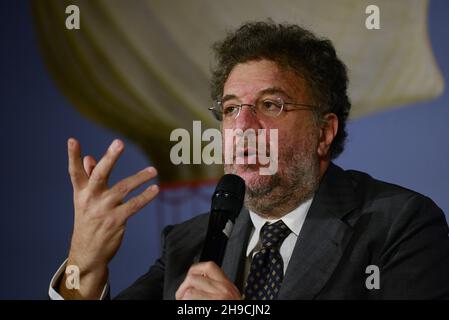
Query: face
(298, 136)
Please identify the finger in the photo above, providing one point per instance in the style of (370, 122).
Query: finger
(195, 294)
(208, 269)
(197, 282)
(78, 176)
(89, 164)
(100, 174)
(122, 188)
(135, 204)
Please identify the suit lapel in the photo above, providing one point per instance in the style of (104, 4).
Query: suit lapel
(235, 250)
(323, 237)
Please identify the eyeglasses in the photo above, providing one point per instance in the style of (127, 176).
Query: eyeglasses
(229, 110)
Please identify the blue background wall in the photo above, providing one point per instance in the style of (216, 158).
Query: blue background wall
(408, 146)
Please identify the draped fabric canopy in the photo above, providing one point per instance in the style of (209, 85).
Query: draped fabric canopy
(141, 67)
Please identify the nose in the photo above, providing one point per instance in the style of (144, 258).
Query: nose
(247, 118)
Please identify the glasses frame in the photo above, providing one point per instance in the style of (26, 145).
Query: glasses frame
(218, 115)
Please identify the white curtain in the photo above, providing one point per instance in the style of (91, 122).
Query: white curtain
(141, 67)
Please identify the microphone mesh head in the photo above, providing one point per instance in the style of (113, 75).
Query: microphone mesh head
(232, 184)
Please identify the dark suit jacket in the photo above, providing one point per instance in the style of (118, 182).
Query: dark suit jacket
(354, 221)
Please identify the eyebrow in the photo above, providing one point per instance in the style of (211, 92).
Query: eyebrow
(270, 90)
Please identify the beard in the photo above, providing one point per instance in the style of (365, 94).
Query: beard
(297, 179)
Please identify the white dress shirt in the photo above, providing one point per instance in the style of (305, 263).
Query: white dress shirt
(294, 220)
(54, 295)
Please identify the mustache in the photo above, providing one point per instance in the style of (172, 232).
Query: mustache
(251, 152)
(251, 145)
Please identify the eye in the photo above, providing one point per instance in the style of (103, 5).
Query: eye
(230, 109)
(271, 105)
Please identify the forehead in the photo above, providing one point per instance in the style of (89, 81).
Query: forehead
(250, 78)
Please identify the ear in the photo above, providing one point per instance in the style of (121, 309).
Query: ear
(328, 131)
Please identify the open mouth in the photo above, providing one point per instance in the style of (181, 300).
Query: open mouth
(250, 152)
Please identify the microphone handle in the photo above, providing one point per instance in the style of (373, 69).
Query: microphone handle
(216, 240)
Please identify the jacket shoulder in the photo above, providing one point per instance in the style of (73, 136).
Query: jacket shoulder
(195, 226)
(392, 197)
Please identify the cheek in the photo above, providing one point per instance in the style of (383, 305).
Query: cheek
(290, 138)
(297, 140)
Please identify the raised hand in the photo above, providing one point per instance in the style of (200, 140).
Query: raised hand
(100, 215)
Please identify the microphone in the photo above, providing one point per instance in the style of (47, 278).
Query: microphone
(227, 201)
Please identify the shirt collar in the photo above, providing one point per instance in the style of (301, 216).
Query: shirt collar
(294, 220)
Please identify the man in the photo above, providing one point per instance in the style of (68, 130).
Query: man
(309, 231)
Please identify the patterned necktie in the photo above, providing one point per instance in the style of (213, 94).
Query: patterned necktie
(267, 268)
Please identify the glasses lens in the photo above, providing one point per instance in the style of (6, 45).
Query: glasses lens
(270, 107)
(230, 110)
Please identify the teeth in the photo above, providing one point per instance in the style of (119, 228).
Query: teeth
(251, 153)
